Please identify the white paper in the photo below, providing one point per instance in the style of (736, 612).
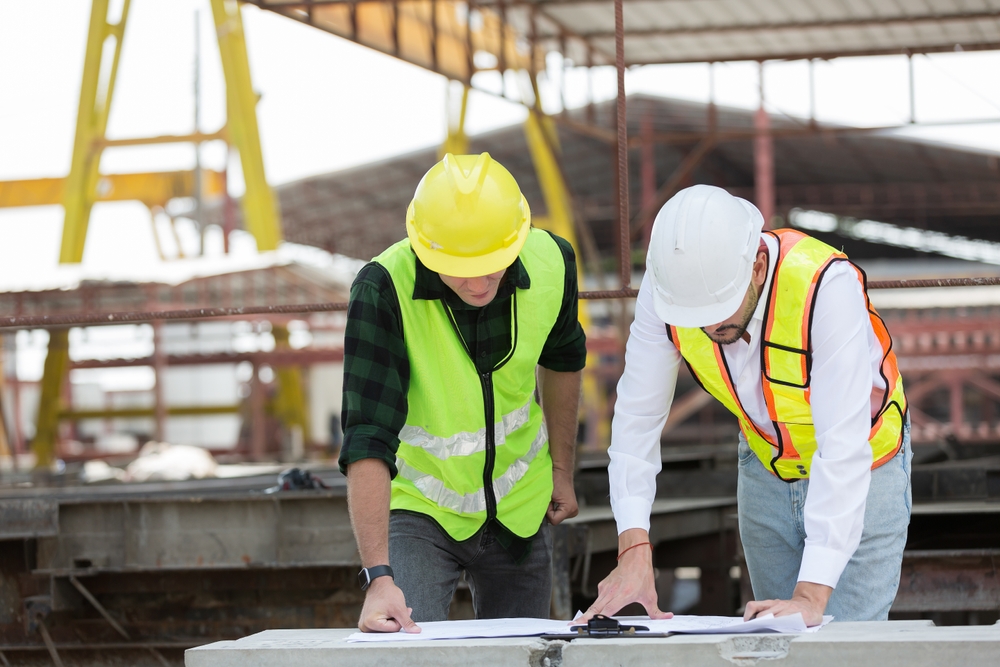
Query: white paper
(480, 628)
(532, 627)
(711, 625)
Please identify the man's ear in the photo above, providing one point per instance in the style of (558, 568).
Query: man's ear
(760, 266)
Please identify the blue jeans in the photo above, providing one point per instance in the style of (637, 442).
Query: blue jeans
(427, 564)
(773, 535)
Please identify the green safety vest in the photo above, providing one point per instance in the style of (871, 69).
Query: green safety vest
(786, 364)
(475, 446)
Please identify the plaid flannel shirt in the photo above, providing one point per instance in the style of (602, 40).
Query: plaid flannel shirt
(377, 368)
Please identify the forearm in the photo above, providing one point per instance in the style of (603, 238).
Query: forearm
(368, 491)
(816, 595)
(560, 403)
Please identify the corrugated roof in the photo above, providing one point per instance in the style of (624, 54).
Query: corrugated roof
(658, 31)
(359, 212)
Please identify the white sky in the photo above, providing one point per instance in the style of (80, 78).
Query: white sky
(328, 104)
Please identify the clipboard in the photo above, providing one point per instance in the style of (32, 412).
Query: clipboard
(604, 627)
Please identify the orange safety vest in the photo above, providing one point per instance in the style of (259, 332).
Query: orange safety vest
(786, 363)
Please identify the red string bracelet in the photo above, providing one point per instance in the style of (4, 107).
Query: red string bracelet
(633, 547)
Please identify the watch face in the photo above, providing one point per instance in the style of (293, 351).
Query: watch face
(363, 579)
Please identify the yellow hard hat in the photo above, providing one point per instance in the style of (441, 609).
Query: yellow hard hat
(468, 218)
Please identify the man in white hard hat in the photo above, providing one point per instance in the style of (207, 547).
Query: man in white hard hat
(778, 327)
(453, 464)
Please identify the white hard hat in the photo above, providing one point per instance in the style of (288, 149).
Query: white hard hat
(701, 254)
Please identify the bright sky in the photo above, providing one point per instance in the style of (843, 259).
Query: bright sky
(328, 104)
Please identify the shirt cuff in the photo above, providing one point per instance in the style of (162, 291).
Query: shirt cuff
(632, 512)
(822, 565)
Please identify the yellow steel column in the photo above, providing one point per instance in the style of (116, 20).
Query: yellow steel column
(260, 210)
(543, 142)
(261, 215)
(46, 432)
(457, 142)
(290, 402)
(96, 91)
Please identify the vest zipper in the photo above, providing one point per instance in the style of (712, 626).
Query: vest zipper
(486, 380)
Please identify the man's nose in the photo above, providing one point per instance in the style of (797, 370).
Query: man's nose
(478, 285)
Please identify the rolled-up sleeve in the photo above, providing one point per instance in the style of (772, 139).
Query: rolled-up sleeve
(376, 371)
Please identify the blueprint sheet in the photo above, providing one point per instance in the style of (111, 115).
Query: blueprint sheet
(532, 627)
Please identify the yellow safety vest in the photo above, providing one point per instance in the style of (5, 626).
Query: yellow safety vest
(786, 363)
(475, 446)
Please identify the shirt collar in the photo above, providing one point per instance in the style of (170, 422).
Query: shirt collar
(754, 326)
(428, 285)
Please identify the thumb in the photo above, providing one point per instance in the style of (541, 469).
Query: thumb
(406, 622)
(659, 615)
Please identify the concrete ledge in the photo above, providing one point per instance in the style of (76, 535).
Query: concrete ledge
(910, 643)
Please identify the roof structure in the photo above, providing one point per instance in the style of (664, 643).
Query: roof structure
(655, 31)
(675, 31)
(846, 171)
(267, 281)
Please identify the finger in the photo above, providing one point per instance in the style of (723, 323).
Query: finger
(379, 624)
(657, 614)
(557, 515)
(757, 608)
(404, 620)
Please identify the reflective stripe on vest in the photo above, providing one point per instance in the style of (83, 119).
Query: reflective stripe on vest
(786, 364)
(470, 503)
(444, 450)
(466, 442)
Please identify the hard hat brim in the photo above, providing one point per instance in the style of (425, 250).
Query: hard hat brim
(700, 316)
(468, 267)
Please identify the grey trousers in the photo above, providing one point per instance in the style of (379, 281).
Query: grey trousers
(427, 565)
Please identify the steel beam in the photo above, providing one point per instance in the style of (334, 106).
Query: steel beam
(290, 400)
(457, 141)
(96, 91)
(963, 580)
(763, 158)
(275, 358)
(406, 30)
(543, 144)
(797, 27)
(152, 189)
(133, 413)
(644, 219)
(260, 209)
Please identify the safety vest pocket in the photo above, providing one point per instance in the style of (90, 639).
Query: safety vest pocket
(786, 366)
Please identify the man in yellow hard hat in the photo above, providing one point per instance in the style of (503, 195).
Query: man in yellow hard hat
(452, 466)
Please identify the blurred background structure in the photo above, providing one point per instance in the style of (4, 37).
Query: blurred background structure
(149, 404)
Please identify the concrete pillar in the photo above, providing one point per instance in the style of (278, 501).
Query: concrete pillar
(763, 159)
(647, 166)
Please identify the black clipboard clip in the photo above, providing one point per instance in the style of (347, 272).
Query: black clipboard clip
(603, 627)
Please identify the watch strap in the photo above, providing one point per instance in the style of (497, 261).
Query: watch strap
(368, 574)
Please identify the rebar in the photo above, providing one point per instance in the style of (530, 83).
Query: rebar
(624, 237)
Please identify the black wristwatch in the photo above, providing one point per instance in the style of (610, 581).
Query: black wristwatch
(369, 574)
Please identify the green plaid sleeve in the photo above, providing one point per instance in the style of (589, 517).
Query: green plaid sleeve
(376, 371)
(565, 349)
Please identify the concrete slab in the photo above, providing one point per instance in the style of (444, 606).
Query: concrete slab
(909, 643)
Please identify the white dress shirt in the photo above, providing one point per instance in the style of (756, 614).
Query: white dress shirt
(847, 388)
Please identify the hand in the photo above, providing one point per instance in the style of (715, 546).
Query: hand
(808, 599)
(385, 609)
(563, 505)
(632, 581)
